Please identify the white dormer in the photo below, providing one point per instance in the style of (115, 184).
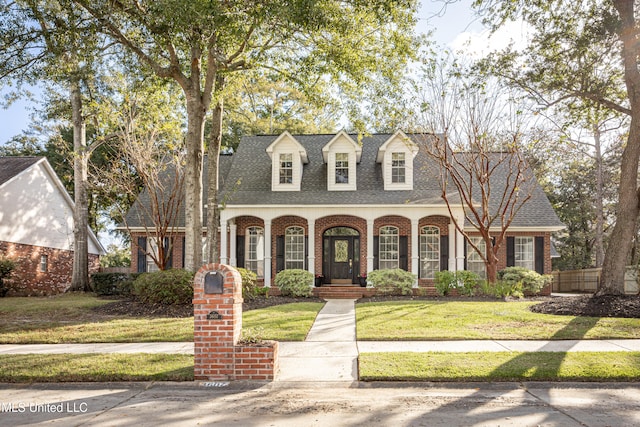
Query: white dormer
(341, 155)
(287, 157)
(396, 156)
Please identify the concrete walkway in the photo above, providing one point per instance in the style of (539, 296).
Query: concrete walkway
(330, 352)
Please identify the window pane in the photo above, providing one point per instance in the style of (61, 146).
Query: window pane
(397, 167)
(388, 243)
(342, 168)
(475, 261)
(524, 256)
(254, 252)
(429, 251)
(286, 168)
(294, 248)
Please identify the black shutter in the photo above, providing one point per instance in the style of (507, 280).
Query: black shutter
(240, 251)
(142, 256)
(539, 254)
(511, 251)
(168, 252)
(464, 253)
(404, 253)
(376, 253)
(184, 249)
(306, 252)
(279, 253)
(444, 253)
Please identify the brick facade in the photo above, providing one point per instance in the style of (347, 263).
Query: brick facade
(30, 278)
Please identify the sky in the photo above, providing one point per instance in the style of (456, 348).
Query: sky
(451, 28)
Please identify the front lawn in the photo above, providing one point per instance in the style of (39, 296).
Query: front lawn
(71, 318)
(28, 368)
(502, 366)
(454, 320)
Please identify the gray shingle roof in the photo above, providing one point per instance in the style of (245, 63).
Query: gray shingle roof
(12, 166)
(245, 179)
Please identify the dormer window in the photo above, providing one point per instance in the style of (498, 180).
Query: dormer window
(342, 168)
(287, 160)
(341, 154)
(398, 172)
(286, 168)
(396, 156)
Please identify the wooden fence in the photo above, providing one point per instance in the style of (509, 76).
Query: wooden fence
(587, 280)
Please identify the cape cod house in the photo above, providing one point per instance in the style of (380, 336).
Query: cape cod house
(340, 206)
(36, 227)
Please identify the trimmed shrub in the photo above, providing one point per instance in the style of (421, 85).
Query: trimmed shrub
(249, 283)
(524, 279)
(445, 281)
(295, 283)
(393, 281)
(464, 281)
(168, 287)
(104, 284)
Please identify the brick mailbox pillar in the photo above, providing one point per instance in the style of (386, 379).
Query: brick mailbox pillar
(217, 309)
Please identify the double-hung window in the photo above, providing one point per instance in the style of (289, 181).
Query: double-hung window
(524, 256)
(286, 168)
(475, 261)
(342, 168)
(429, 251)
(254, 250)
(398, 173)
(388, 247)
(294, 248)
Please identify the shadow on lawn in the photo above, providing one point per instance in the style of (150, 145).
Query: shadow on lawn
(517, 367)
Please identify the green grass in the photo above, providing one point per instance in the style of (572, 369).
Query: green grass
(69, 318)
(27, 368)
(503, 366)
(440, 320)
(287, 322)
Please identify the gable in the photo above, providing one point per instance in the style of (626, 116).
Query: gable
(35, 209)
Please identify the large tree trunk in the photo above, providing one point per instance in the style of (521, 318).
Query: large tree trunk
(599, 238)
(213, 154)
(80, 275)
(621, 239)
(196, 111)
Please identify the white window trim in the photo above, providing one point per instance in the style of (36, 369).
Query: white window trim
(424, 235)
(475, 261)
(290, 262)
(259, 250)
(520, 257)
(388, 262)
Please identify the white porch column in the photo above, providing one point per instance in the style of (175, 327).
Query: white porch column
(267, 253)
(415, 250)
(311, 248)
(452, 246)
(224, 256)
(459, 251)
(233, 261)
(369, 245)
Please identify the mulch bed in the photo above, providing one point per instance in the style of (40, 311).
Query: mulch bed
(582, 305)
(597, 306)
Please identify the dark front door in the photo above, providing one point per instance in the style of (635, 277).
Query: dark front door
(341, 260)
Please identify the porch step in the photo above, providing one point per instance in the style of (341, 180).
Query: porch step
(342, 292)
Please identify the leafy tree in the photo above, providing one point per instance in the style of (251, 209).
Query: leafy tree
(199, 43)
(584, 50)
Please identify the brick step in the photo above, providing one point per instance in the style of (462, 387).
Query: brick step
(342, 292)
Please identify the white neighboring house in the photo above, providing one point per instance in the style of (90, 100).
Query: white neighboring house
(36, 227)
